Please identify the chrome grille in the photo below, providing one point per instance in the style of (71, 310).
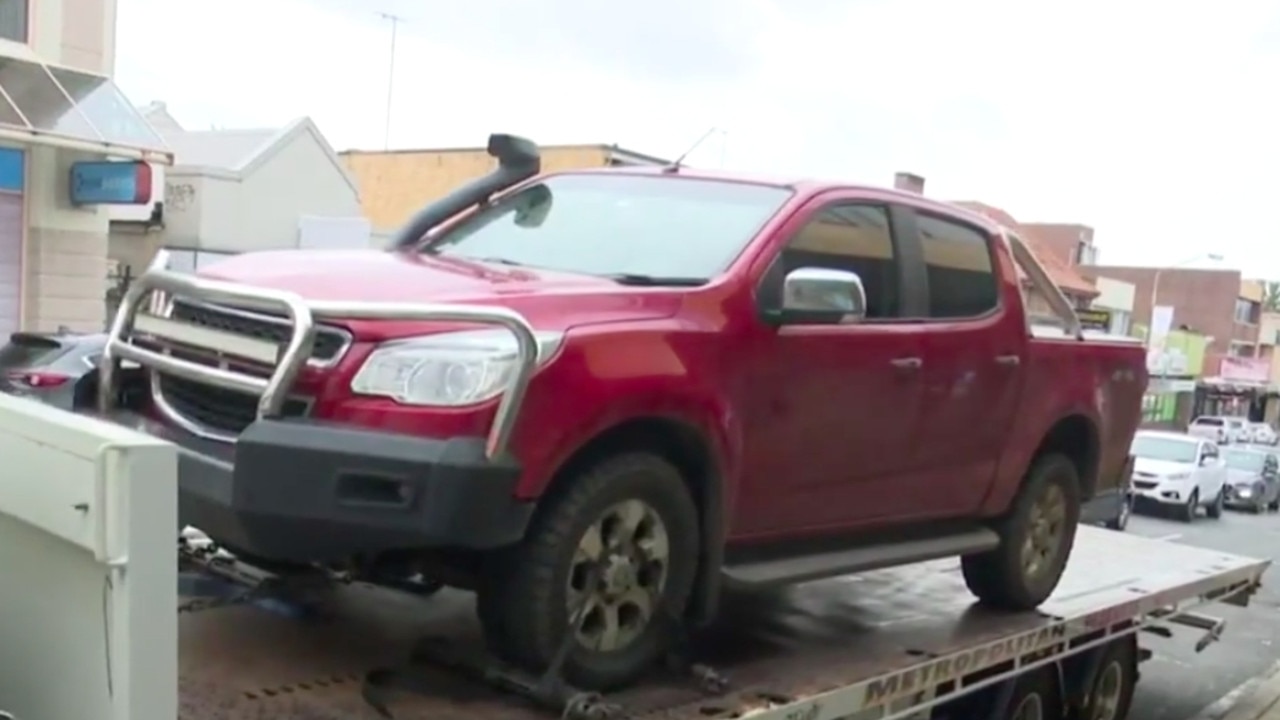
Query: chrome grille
(329, 345)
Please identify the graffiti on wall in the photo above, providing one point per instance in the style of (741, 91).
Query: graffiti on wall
(179, 197)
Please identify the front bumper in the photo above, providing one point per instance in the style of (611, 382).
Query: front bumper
(1237, 497)
(308, 491)
(1168, 492)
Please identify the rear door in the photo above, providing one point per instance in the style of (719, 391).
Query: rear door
(974, 356)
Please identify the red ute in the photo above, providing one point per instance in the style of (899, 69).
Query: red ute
(598, 397)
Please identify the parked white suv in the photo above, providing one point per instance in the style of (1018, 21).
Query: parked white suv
(1179, 471)
(1221, 429)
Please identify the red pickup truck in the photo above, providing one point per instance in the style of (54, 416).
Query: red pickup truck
(599, 397)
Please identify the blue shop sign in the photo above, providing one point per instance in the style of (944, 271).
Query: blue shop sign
(110, 183)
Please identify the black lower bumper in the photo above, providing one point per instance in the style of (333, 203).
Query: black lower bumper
(305, 491)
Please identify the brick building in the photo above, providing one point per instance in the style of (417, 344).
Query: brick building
(1216, 303)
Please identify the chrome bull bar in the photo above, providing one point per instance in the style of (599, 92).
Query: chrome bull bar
(302, 315)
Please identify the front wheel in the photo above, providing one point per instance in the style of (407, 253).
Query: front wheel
(1187, 512)
(619, 547)
(1035, 539)
(1214, 509)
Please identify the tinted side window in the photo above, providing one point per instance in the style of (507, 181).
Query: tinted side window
(957, 259)
(854, 238)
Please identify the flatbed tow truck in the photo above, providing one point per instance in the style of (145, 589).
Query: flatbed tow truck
(92, 577)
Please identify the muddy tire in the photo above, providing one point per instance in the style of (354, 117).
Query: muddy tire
(1035, 539)
(632, 518)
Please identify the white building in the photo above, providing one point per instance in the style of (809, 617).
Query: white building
(59, 110)
(233, 191)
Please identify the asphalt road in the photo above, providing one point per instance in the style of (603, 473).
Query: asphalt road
(1178, 683)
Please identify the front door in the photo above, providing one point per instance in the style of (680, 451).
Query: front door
(836, 404)
(974, 349)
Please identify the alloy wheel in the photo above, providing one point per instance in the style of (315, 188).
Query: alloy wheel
(628, 548)
(1046, 528)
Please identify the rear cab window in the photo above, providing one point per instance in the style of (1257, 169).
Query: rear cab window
(26, 350)
(959, 268)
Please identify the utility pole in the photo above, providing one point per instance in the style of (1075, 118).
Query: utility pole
(391, 76)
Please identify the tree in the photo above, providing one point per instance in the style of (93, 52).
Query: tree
(1270, 296)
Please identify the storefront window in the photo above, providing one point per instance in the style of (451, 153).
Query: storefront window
(1159, 407)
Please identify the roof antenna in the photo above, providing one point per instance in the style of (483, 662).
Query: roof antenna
(678, 162)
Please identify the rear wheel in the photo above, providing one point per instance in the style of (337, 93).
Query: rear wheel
(1035, 539)
(1121, 520)
(621, 544)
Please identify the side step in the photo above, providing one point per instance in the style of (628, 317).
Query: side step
(787, 571)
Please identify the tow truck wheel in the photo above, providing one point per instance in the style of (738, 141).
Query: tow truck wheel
(1111, 693)
(1219, 502)
(1035, 539)
(620, 543)
(1035, 696)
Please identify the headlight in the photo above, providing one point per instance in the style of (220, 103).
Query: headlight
(1178, 476)
(448, 369)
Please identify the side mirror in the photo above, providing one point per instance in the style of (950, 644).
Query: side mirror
(1206, 461)
(822, 296)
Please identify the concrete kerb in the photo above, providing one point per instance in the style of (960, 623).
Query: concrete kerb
(1255, 699)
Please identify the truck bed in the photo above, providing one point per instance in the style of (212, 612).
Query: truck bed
(852, 641)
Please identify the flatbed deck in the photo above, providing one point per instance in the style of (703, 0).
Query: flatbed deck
(822, 650)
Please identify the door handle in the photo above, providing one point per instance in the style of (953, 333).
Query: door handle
(1008, 360)
(907, 363)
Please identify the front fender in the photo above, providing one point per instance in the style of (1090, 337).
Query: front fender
(601, 381)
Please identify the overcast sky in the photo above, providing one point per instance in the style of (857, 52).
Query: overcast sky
(1158, 123)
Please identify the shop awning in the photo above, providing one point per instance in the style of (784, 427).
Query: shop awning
(61, 107)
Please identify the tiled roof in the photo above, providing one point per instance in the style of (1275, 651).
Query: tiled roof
(1062, 274)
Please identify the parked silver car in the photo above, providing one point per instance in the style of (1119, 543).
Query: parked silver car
(1253, 478)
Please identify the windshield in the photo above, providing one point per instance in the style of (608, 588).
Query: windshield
(615, 225)
(1212, 422)
(1160, 448)
(1244, 460)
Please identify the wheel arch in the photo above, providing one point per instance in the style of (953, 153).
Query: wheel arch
(1076, 437)
(691, 450)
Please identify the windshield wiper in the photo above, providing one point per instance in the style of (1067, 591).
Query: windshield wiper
(655, 280)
